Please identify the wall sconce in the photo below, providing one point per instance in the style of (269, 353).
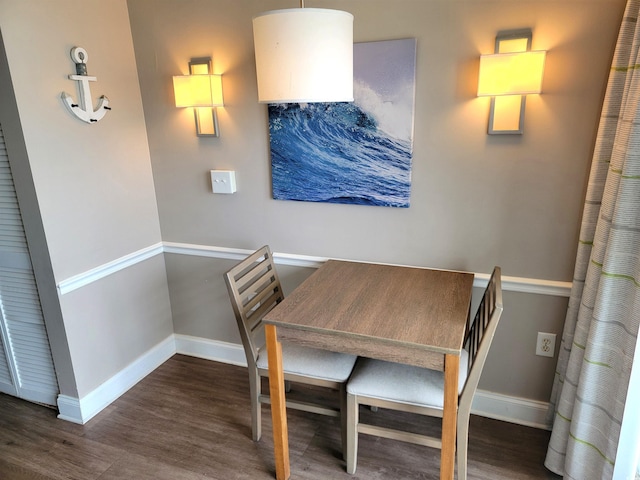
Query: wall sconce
(202, 91)
(507, 76)
(304, 55)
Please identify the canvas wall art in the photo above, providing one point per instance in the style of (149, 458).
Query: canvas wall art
(354, 153)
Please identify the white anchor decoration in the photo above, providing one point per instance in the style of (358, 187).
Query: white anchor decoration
(84, 108)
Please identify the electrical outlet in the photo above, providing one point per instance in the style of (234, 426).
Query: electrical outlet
(546, 345)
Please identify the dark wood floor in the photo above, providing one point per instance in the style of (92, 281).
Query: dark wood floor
(190, 420)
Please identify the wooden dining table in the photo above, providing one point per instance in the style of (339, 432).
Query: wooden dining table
(415, 316)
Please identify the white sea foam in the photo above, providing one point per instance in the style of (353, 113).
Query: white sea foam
(392, 111)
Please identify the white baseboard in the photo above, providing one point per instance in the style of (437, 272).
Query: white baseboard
(84, 409)
(69, 409)
(218, 351)
(521, 411)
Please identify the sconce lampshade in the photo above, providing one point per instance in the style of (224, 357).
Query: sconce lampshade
(304, 55)
(198, 90)
(511, 73)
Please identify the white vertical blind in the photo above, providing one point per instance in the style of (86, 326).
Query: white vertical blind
(25, 356)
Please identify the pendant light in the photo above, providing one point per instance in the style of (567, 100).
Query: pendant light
(304, 55)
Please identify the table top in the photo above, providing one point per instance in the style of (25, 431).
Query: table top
(404, 314)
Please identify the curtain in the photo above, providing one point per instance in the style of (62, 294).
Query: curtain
(601, 326)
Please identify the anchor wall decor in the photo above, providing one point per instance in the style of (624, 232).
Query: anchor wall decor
(84, 108)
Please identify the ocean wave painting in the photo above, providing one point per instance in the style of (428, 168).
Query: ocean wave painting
(355, 153)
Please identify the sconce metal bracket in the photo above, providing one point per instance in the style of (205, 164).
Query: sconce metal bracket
(511, 107)
(206, 117)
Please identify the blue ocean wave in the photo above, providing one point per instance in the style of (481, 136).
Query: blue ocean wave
(335, 153)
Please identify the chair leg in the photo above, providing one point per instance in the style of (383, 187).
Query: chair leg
(352, 433)
(343, 419)
(462, 443)
(255, 388)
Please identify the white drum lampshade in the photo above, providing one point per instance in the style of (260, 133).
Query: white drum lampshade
(304, 55)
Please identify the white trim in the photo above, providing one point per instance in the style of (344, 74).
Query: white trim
(206, 251)
(298, 260)
(84, 409)
(69, 409)
(216, 350)
(486, 404)
(513, 284)
(523, 411)
(527, 285)
(90, 276)
(240, 254)
(516, 410)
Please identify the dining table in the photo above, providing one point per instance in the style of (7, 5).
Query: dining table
(410, 315)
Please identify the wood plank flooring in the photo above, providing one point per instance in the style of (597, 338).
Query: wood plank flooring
(190, 420)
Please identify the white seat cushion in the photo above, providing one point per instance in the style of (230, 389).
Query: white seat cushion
(312, 362)
(402, 383)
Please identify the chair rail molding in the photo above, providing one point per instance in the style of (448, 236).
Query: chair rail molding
(85, 278)
(512, 284)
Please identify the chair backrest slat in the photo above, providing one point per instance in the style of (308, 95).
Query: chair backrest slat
(258, 291)
(254, 289)
(249, 275)
(481, 330)
(254, 319)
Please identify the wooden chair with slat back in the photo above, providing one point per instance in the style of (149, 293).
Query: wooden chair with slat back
(254, 289)
(420, 390)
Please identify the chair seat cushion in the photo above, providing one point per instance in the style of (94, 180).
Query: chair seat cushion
(402, 383)
(311, 362)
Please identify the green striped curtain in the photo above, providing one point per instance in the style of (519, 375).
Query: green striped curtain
(601, 327)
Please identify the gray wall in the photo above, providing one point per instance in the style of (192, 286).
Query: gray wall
(100, 192)
(92, 184)
(477, 200)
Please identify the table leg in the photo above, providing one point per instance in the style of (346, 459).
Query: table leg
(278, 404)
(449, 417)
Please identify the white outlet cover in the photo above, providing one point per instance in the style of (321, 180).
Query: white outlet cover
(223, 181)
(546, 345)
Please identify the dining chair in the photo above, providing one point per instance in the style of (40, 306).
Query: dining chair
(254, 290)
(381, 384)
